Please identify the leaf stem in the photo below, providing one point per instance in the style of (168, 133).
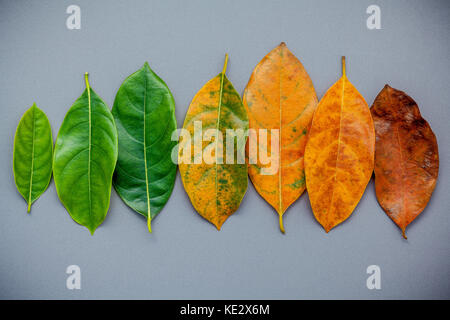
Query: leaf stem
(225, 64)
(149, 224)
(280, 218)
(343, 66)
(86, 79)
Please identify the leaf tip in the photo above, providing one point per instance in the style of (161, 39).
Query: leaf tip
(91, 229)
(218, 223)
(327, 228)
(282, 44)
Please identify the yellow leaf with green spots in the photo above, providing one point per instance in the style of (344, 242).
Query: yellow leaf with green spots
(214, 185)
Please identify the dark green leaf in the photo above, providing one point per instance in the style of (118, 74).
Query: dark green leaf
(144, 111)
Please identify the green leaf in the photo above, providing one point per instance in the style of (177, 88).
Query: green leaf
(84, 159)
(144, 111)
(32, 159)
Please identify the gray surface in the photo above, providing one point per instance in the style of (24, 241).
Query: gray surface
(186, 257)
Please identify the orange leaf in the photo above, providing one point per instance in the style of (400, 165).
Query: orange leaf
(406, 156)
(280, 95)
(339, 156)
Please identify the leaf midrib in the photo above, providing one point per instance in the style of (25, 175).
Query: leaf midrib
(222, 76)
(90, 148)
(280, 197)
(32, 159)
(145, 156)
(397, 134)
(339, 138)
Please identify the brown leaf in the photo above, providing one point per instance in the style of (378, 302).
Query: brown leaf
(339, 154)
(406, 156)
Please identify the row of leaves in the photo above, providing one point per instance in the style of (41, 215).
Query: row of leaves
(329, 147)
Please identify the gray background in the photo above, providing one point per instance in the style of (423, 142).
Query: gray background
(186, 257)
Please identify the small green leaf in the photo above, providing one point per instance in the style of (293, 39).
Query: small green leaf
(84, 159)
(144, 111)
(32, 159)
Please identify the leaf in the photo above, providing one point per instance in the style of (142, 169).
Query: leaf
(144, 112)
(339, 155)
(32, 157)
(84, 159)
(406, 157)
(215, 189)
(280, 94)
